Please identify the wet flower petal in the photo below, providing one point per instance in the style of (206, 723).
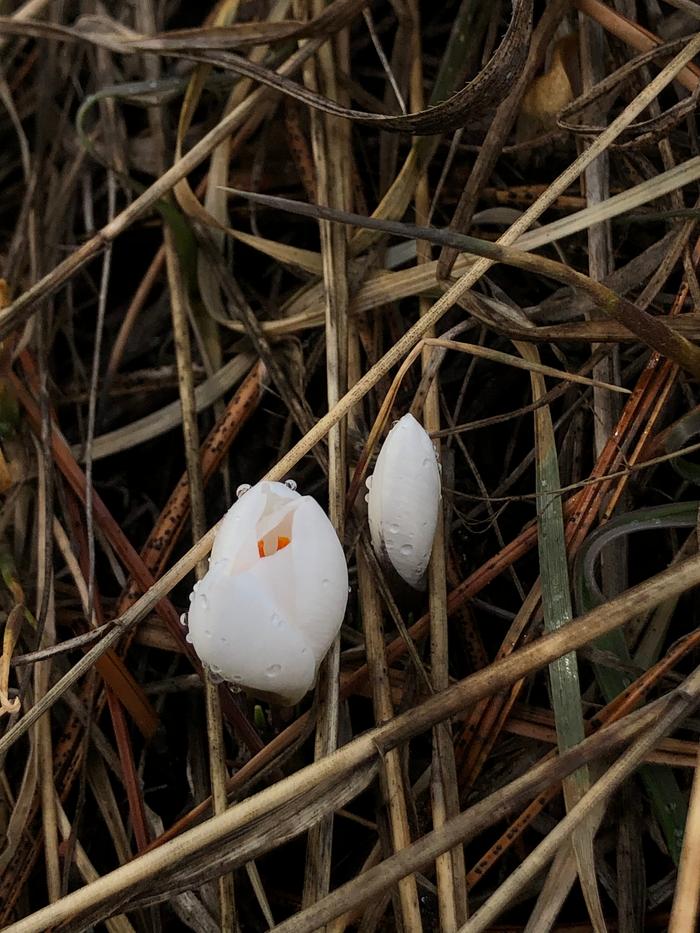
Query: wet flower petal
(274, 597)
(403, 500)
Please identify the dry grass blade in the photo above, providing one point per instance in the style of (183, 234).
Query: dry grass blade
(637, 36)
(335, 15)
(330, 142)
(117, 924)
(394, 790)
(686, 900)
(530, 363)
(476, 98)
(444, 790)
(215, 734)
(121, 681)
(650, 330)
(157, 423)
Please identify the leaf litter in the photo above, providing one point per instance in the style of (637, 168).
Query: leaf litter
(238, 240)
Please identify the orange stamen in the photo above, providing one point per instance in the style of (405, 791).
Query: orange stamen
(282, 542)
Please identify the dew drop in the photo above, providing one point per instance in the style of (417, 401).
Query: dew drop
(191, 598)
(183, 620)
(394, 528)
(237, 678)
(325, 582)
(407, 549)
(427, 462)
(204, 602)
(215, 674)
(273, 670)
(368, 482)
(207, 633)
(275, 620)
(242, 490)
(290, 484)
(188, 638)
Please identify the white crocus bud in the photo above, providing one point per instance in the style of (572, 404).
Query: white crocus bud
(403, 500)
(274, 596)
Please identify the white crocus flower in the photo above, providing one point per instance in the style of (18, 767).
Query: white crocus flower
(274, 596)
(403, 500)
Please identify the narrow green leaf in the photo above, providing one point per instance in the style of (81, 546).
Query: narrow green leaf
(557, 608)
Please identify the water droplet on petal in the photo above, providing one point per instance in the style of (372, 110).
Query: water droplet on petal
(426, 462)
(290, 484)
(407, 549)
(273, 670)
(207, 633)
(394, 528)
(237, 678)
(368, 482)
(242, 490)
(276, 620)
(188, 638)
(203, 601)
(183, 620)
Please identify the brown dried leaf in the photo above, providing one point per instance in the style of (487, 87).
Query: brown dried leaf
(549, 93)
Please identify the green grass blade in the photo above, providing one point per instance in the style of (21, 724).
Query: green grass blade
(558, 611)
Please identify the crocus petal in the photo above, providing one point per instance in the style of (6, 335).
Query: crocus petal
(248, 520)
(321, 576)
(274, 597)
(238, 631)
(235, 543)
(403, 500)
